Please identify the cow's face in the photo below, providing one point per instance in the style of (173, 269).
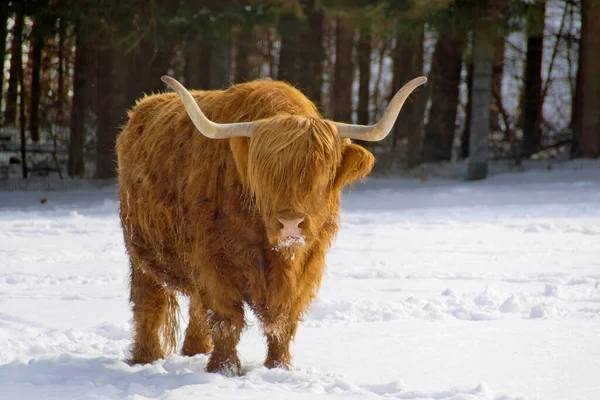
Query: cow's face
(295, 169)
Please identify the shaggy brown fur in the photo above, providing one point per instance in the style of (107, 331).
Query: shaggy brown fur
(200, 215)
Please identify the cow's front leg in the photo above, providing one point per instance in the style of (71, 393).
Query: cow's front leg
(226, 322)
(279, 335)
(197, 334)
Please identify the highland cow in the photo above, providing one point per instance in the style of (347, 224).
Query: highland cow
(232, 197)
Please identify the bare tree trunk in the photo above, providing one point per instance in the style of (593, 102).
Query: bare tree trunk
(444, 82)
(76, 164)
(532, 138)
(344, 71)
(586, 122)
(197, 65)
(16, 64)
(408, 64)
(364, 74)
(483, 49)
(36, 64)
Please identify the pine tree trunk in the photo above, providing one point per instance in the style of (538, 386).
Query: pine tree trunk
(197, 66)
(287, 68)
(134, 88)
(60, 91)
(364, 75)
(408, 64)
(16, 64)
(464, 145)
(150, 59)
(532, 138)
(118, 110)
(577, 103)
(76, 164)
(586, 123)
(36, 64)
(22, 122)
(106, 127)
(343, 72)
(146, 65)
(312, 53)
(477, 167)
(498, 74)
(244, 45)
(91, 61)
(302, 53)
(219, 62)
(3, 34)
(444, 82)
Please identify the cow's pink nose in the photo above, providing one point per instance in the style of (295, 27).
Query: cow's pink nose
(291, 226)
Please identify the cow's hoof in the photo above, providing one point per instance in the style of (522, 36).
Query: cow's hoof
(139, 356)
(141, 361)
(270, 364)
(230, 366)
(191, 348)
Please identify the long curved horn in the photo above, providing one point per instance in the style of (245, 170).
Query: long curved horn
(374, 133)
(206, 127)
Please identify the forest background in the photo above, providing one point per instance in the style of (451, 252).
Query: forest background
(508, 80)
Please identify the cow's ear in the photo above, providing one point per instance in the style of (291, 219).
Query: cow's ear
(356, 164)
(240, 149)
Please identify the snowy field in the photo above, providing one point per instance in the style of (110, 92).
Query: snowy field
(435, 290)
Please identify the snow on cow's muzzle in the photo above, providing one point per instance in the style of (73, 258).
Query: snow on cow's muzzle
(290, 233)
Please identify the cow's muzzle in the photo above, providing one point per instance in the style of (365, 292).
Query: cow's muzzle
(291, 226)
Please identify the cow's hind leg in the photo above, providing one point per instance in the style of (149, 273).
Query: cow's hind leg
(197, 334)
(154, 310)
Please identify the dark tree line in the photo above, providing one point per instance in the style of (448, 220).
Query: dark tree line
(73, 68)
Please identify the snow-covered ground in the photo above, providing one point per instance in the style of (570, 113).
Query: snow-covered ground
(435, 290)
